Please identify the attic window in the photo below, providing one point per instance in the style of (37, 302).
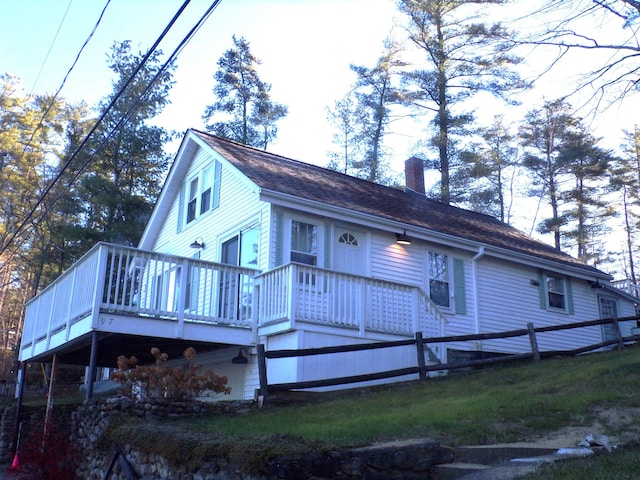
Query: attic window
(203, 192)
(348, 239)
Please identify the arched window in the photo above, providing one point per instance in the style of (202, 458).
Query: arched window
(348, 239)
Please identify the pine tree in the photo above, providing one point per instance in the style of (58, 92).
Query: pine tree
(243, 102)
(488, 171)
(464, 56)
(544, 134)
(124, 162)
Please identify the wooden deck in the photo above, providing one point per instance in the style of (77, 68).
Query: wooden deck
(116, 290)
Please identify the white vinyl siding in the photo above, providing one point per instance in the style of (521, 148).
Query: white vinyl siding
(238, 205)
(396, 263)
(509, 299)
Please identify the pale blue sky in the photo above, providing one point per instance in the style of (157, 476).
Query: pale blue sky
(305, 47)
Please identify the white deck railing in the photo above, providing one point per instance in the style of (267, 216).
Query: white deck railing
(134, 282)
(627, 286)
(137, 283)
(296, 292)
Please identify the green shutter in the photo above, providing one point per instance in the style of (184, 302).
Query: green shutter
(567, 282)
(215, 194)
(327, 245)
(180, 210)
(279, 238)
(459, 291)
(542, 290)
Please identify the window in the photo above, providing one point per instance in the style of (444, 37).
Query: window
(193, 198)
(203, 192)
(304, 244)
(556, 292)
(439, 279)
(348, 239)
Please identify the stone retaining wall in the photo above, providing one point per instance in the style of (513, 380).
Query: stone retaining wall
(407, 460)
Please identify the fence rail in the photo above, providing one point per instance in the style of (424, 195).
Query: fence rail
(421, 368)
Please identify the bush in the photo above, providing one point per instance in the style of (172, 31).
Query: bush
(173, 383)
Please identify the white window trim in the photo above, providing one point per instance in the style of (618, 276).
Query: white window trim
(565, 299)
(451, 305)
(319, 237)
(199, 175)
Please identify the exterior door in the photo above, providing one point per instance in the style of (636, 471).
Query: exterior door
(608, 309)
(349, 257)
(236, 290)
(350, 254)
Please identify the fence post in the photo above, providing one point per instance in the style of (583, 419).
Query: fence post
(616, 330)
(422, 374)
(534, 342)
(262, 373)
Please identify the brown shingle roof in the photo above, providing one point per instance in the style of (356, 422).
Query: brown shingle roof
(310, 182)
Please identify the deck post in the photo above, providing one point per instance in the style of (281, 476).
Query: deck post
(182, 298)
(22, 377)
(534, 342)
(93, 360)
(98, 292)
(262, 373)
(422, 374)
(49, 411)
(293, 295)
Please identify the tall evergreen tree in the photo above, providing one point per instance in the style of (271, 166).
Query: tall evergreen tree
(489, 169)
(30, 136)
(625, 179)
(347, 117)
(587, 210)
(376, 91)
(243, 101)
(464, 55)
(544, 135)
(124, 161)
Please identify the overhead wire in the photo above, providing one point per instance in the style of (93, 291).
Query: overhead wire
(53, 42)
(140, 99)
(124, 117)
(64, 80)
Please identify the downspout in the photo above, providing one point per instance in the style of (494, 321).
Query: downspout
(474, 279)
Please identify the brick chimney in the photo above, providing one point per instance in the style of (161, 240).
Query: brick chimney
(414, 175)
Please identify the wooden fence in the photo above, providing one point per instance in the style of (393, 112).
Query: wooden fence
(421, 368)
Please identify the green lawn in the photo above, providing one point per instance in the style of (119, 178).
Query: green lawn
(502, 404)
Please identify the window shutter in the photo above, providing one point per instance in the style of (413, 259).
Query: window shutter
(279, 238)
(542, 290)
(459, 291)
(327, 245)
(217, 180)
(570, 309)
(180, 210)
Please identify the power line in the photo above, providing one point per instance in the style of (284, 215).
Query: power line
(64, 80)
(137, 103)
(53, 41)
(95, 126)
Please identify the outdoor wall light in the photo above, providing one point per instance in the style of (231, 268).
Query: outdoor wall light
(240, 358)
(197, 243)
(403, 238)
(596, 284)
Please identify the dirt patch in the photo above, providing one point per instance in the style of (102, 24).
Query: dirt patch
(620, 425)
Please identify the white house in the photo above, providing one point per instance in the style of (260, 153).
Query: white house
(247, 247)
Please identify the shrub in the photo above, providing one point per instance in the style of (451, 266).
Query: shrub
(174, 383)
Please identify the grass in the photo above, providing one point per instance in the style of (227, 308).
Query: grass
(503, 404)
